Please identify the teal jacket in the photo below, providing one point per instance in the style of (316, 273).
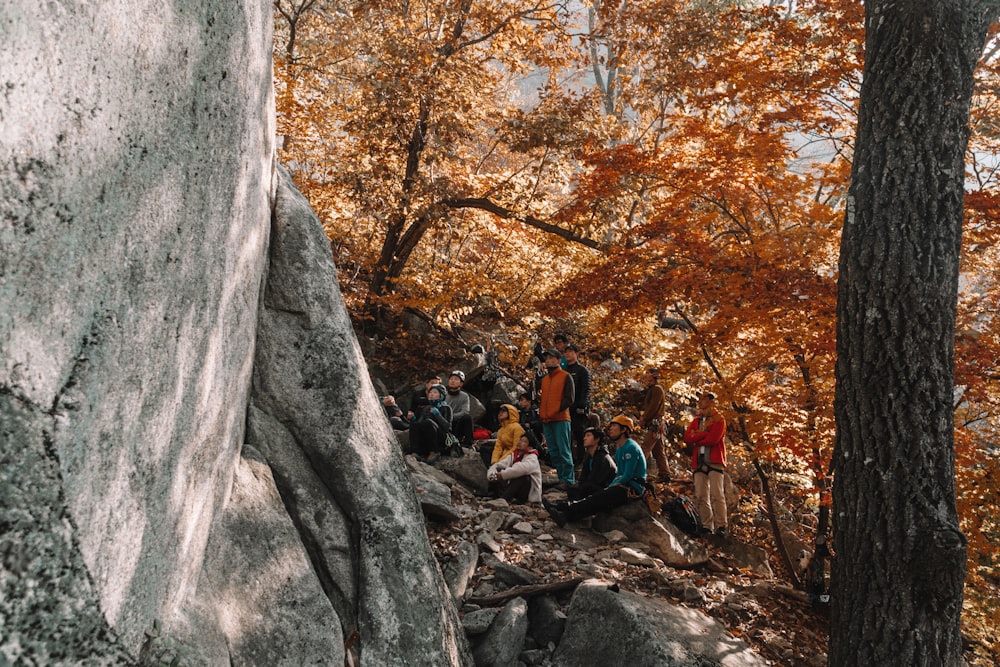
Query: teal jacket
(631, 464)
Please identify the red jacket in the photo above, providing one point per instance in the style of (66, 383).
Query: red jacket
(711, 436)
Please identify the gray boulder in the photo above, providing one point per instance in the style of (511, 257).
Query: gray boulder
(434, 497)
(546, 620)
(664, 539)
(135, 180)
(305, 350)
(250, 570)
(501, 644)
(511, 575)
(612, 627)
(459, 571)
(469, 470)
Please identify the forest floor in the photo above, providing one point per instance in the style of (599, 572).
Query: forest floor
(777, 621)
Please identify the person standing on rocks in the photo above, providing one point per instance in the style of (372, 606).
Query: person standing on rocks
(580, 409)
(597, 469)
(629, 482)
(705, 436)
(430, 426)
(558, 393)
(651, 422)
(518, 475)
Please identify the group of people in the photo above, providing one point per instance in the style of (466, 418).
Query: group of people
(612, 465)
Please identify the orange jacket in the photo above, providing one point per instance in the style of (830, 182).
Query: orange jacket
(557, 396)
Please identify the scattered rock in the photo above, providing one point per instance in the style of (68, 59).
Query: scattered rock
(459, 571)
(665, 540)
(634, 557)
(546, 619)
(434, 497)
(509, 574)
(501, 644)
(477, 622)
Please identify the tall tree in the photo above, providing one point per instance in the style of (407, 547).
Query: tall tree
(900, 566)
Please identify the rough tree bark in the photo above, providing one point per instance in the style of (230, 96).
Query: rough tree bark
(898, 575)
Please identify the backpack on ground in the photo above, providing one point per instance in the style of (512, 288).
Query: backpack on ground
(683, 514)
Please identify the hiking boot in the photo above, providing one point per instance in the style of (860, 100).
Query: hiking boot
(433, 458)
(720, 531)
(558, 516)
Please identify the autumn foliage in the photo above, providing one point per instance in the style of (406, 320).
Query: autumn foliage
(617, 165)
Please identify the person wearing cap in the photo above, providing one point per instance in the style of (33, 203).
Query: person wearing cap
(629, 480)
(557, 396)
(580, 409)
(705, 435)
(430, 425)
(597, 469)
(651, 422)
(461, 408)
(560, 342)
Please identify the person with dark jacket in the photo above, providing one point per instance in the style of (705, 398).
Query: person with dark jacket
(580, 409)
(394, 413)
(629, 481)
(528, 416)
(598, 468)
(419, 398)
(430, 426)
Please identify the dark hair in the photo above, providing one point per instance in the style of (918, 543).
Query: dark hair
(561, 337)
(597, 433)
(524, 395)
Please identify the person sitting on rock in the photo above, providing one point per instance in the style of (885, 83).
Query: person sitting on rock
(394, 413)
(507, 435)
(419, 398)
(429, 426)
(597, 469)
(629, 482)
(518, 476)
(461, 408)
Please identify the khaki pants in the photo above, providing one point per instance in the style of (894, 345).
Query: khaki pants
(710, 497)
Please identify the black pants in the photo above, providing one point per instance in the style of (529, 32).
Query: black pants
(583, 490)
(425, 437)
(515, 490)
(462, 428)
(602, 501)
(486, 451)
(578, 424)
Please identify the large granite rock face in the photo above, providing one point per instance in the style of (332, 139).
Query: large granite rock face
(136, 202)
(316, 418)
(135, 177)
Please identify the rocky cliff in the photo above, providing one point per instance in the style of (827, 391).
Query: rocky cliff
(155, 273)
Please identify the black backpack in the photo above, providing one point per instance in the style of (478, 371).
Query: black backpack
(683, 514)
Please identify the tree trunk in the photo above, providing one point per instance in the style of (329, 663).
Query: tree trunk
(898, 574)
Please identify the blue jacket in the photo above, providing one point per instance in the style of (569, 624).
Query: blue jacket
(631, 464)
